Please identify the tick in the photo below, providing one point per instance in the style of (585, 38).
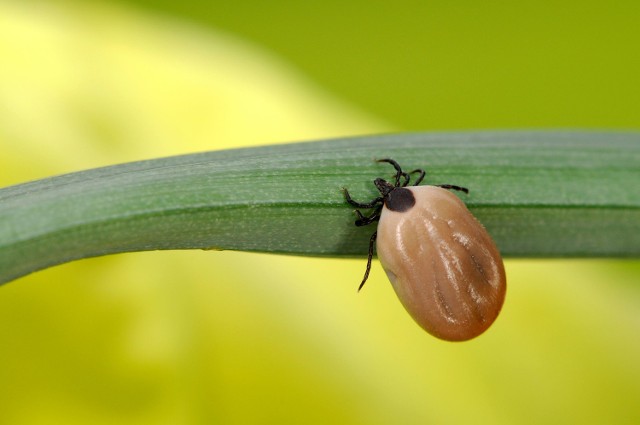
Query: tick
(442, 263)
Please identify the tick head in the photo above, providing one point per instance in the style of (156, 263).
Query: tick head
(384, 187)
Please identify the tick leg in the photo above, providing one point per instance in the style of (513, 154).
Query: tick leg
(407, 179)
(371, 204)
(392, 162)
(369, 258)
(399, 172)
(453, 187)
(422, 173)
(364, 220)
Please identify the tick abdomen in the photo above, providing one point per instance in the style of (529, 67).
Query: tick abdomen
(443, 265)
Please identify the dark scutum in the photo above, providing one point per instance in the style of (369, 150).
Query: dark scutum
(400, 199)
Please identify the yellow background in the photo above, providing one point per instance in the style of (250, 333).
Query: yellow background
(224, 337)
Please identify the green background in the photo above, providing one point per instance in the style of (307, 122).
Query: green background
(223, 337)
(453, 65)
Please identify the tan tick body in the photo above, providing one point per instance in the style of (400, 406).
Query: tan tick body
(443, 265)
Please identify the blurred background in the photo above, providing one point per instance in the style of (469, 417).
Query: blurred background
(235, 338)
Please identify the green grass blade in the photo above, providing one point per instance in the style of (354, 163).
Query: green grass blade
(550, 194)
